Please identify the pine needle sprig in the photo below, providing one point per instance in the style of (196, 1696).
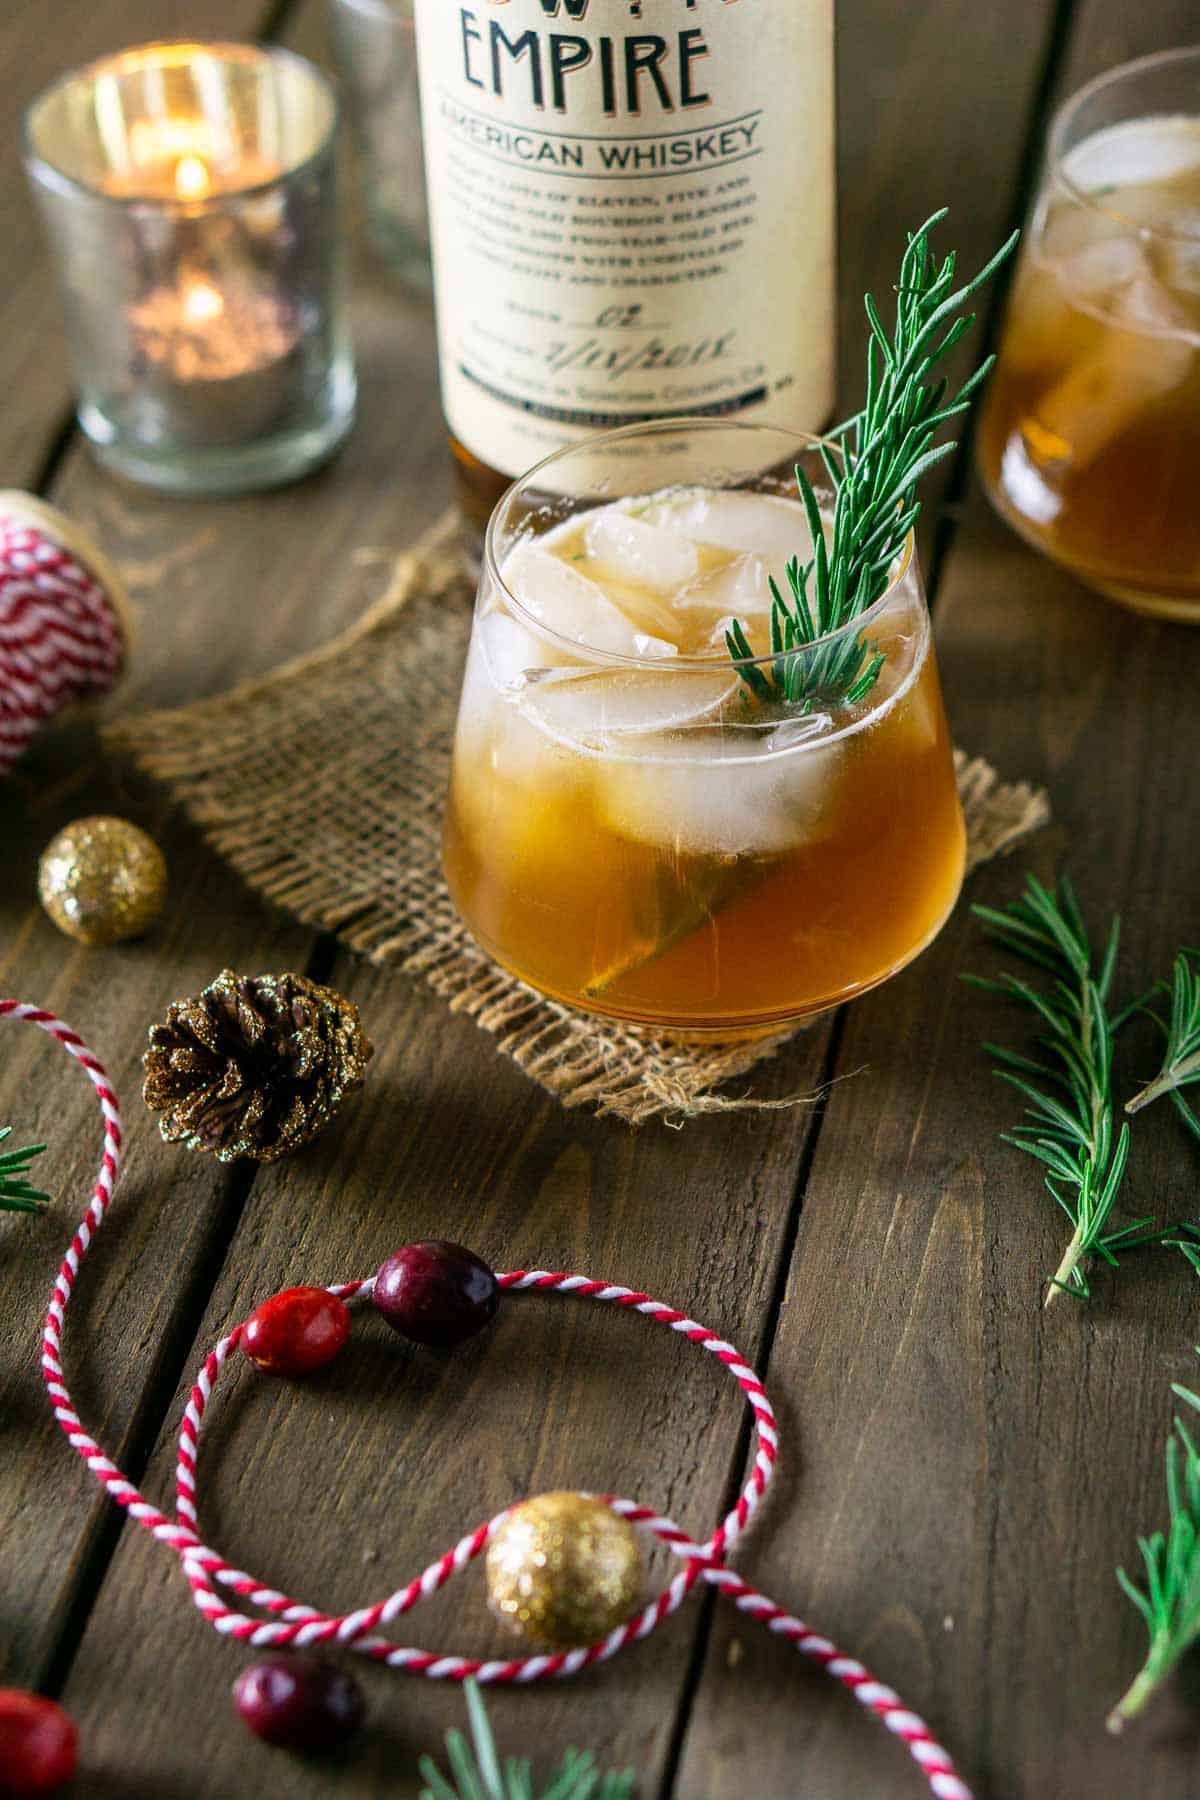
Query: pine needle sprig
(1181, 1058)
(879, 456)
(16, 1195)
(1186, 1239)
(479, 1775)
(1170, 1602)
(1070, 1125)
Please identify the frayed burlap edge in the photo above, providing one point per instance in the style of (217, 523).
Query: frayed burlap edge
(274, 771)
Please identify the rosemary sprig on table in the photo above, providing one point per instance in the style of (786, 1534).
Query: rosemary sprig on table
(16, 1195)
(882, 453)
(1181, 1058)
(478, 1774)
(1170, 1603)
(1070, 1125)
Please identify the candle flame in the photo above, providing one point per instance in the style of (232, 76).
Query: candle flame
(191, 177)
(202, 302)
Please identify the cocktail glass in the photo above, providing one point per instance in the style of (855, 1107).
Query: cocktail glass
(1090, 432)
(631, 828)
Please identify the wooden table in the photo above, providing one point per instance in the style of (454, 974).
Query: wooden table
(962, 1471)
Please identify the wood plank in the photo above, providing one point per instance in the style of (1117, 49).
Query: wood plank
(351, 1486)
(463, 1147)
(33, 350)
(213, 604)
(905, 150)
(455, 1143)
(425, 1047)
(968, 1470)
(38, 1093)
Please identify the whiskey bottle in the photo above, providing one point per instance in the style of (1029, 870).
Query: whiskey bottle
(632, 217)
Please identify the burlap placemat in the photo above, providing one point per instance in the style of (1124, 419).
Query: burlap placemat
(323, 785)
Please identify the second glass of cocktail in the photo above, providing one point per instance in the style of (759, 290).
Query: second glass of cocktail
(644, 827)
(1090, 434)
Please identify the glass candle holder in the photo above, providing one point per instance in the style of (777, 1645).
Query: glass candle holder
(374, 42)
(1090, 433)
(189, 191)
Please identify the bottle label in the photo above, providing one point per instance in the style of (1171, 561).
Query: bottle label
(631, 209)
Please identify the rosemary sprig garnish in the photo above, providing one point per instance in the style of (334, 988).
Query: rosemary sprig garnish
(884, 451)
(1070, 1112)
(16, 1195)
(1170, 1603)
(1181, 1058)
(478, 1774)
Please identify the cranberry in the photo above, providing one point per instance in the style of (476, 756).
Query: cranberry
(299, 1702)
(296, 1331)
(436, 1293)
(39, 1745)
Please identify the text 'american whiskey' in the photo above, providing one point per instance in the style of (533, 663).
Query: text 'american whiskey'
(631, 209)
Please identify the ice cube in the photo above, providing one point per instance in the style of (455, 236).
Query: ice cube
(1153, 150)
(589, 709)
(511, 652)
(1104, 391)
(764, 524)
(741, 588)
(717, 641)
(646, 644)
(1084, 258)
(715, 792)
(800, 731)
(477, 699)
(641, 553)
(1025, 484)
(1071, 226)
(919, 715)
(1149, 305)
(1179, 258)
(1103, 268)
(567, 602)
(493, 735)
(1039, 318)
(757, 630)
(1143, 176)
(707, 607)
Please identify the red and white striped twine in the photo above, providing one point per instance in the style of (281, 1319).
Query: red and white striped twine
(61, 638)
(294, 1623)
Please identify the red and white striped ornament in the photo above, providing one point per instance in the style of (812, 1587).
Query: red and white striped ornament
(65, 620)
(293, 1623)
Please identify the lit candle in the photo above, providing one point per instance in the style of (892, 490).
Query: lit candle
(192, 177)
(184, 159)
(215, 361)
(211, 348)
(196, 228)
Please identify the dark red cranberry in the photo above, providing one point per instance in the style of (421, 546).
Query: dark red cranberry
(296, 1331)
(39, 1745)
(299, 1703)
(436, 1293)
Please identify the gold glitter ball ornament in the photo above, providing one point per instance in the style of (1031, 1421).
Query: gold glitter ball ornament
(564, 1570)
(102, 880)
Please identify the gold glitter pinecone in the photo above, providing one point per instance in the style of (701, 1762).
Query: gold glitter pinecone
(254, 1066)
(564, 1570)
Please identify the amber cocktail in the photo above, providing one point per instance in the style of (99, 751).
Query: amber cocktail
(1090, 435)
(630, 828)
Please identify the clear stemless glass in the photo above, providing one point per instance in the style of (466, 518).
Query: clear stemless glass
(632, 827)
(374, 42)
(1090, 433)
